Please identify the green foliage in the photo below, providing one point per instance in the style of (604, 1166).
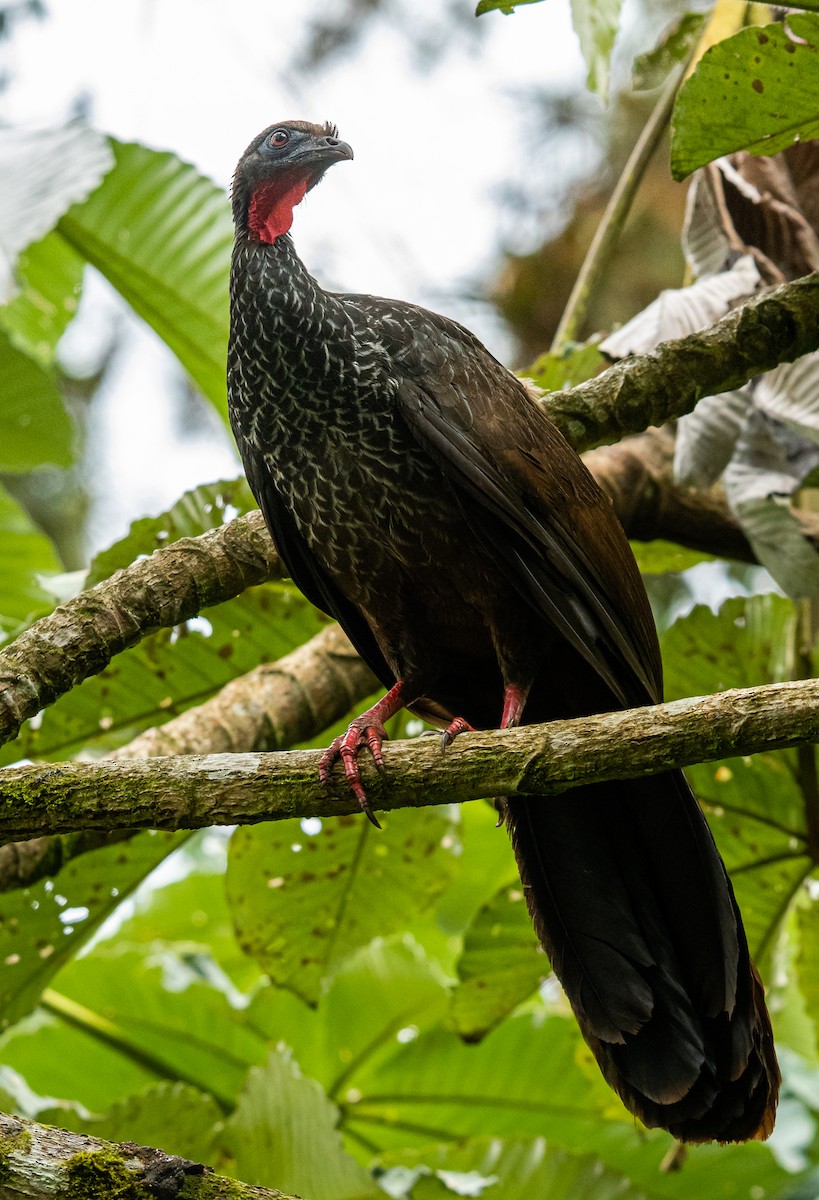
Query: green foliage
(755, 91)
(652, 69)
(25, 555)
(303, 903)
(161, 233)
(575, 364)
(36, 427)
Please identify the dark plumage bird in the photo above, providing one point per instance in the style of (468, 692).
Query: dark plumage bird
(419, 495)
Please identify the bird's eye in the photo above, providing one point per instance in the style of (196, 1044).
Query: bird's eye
(278, 138)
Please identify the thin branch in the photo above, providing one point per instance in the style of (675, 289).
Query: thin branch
(39, 1162)
(81, 637)
(614, 218)
(192, 791)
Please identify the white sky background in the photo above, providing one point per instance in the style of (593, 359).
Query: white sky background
(413, 216)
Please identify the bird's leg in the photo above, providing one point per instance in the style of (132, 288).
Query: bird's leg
(367, 730)
(514, 702)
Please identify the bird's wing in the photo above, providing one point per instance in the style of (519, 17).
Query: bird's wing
(527, 495)
(306, 571)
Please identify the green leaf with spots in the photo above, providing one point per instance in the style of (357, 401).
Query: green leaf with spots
(755, 91)
(42, 927)
(500, 966)
(303, 901)
(755, 806)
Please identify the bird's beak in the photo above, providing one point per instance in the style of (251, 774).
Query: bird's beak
(323, 152)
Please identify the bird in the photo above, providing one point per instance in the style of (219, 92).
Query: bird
(419, 495)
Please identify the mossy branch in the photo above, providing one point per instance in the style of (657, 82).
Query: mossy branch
(192, 791)
(38, 1162)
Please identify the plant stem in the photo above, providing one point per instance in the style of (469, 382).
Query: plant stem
(611, 224)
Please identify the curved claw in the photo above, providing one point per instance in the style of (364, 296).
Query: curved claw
(362, 732)
(456, 726)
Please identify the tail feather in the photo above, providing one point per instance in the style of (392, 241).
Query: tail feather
(631, 901)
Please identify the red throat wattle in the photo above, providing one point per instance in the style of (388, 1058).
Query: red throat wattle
(271, 207)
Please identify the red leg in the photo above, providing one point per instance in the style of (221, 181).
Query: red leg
(367, 730)
(514, 702)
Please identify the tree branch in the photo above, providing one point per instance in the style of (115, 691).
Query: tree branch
(38, 1162)
(650, 389)
(192, 791)
(81, 636)
(271, 708)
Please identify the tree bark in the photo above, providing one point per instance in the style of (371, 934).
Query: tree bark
(39, 1162)
(192, 791)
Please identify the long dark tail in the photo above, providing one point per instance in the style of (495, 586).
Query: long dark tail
(632, 903)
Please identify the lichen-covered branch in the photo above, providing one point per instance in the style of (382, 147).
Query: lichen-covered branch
(39, 1162)
(271, 708)
(81, 636)
(191, 791)
(650, 389)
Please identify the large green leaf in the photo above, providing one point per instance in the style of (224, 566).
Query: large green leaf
(283, 1134)
(43, 926)
(160, 1010)
(36, 427)
(49, 276)
(756, 806)
(25, 552)
(307, 894)
(174, 668)
(501, 963)
(43, 172)
(380, 997)
(162, 234)
(533, 1076)
(755, 91)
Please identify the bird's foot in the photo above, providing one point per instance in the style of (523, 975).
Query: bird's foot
(458, 725)
(366, 731)
(363, 732)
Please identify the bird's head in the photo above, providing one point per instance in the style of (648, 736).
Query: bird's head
(276, 171)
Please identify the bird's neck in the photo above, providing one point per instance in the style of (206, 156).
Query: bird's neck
(274, 288)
